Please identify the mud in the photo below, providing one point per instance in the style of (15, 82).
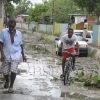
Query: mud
(39, 76)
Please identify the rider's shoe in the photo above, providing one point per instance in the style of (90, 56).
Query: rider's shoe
(73, 68)
(62, 75)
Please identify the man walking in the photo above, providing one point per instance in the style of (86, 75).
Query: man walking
(11, 49)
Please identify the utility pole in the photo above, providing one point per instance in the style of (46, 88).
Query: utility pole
(52, 11)
(6, 6)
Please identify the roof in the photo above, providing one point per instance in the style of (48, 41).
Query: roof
(23, 15)
(76, 14)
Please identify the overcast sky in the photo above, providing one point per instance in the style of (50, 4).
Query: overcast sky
(33, 2)
(36, 1)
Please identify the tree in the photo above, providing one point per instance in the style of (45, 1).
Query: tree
(55, 10)
(22, 7)
(35, 14)
(15, 1)
(92, 6)
(10, 9)
(61, 10)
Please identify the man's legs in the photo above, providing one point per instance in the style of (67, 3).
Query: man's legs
(73, 62)
(64, 56)
(12, 79)
(13, 70)
(6, 85)
(6, 78)
(5, 70)
(63, 65)
(72, 50)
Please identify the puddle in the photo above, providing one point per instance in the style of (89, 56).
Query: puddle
(34, 77)
(36, 80)
(76, 96)
(72, 95)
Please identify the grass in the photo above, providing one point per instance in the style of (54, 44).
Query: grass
(2, 79)
(46, 41)
(80, 68)
(43, 32)
(29, 46)
(91, 54)
(88, 79)
(54, 79)
(23, 32)
(56, 34)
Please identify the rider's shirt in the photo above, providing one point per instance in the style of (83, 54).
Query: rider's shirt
(69, 42)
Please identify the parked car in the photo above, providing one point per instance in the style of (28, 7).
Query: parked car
(89, 35)
(83, 46)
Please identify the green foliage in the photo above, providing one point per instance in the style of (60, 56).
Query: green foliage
(15, 1)
(54, 79)
(36, 13)
(45, 40)
(80, 76)
(92, 54)
(80, 68)
(89, 79)
(71, 81)
(10, 9)
(92, 6)
(22, 7)
(57, 10)
(61, 10)
(43, 32)
(93, 81)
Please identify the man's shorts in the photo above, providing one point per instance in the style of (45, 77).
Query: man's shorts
(65, 54)
(10, 66)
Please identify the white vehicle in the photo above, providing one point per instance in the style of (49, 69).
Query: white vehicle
(89, 35)
(83, 46)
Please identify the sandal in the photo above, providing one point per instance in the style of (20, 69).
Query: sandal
(10, 90)
(62, 75)
(6, 85)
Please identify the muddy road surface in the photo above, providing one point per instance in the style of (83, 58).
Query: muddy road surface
(40, 75)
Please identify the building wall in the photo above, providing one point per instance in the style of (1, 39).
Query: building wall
(96, 35)
(79, 19)
(19, 19)
(1, 15)
(55, 29)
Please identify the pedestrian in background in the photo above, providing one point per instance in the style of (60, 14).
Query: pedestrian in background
(85, 29)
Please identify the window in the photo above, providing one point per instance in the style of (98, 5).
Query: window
(88, 35)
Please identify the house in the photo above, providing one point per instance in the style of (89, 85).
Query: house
(21, 18)
(78, 17)
(79, 21)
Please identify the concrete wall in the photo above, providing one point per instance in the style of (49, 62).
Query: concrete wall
(96, 35)
(63, 27)
(31, 26)
(54, 29)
